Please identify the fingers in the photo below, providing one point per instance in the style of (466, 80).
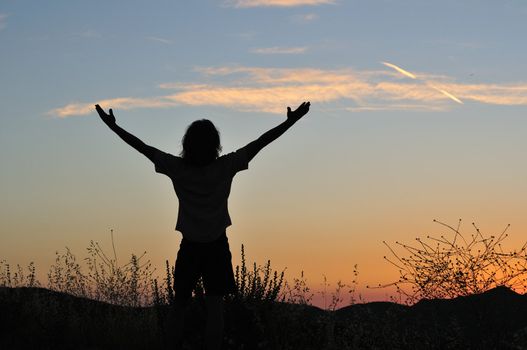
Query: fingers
(99, 109)
(300, 110)
(304, 105)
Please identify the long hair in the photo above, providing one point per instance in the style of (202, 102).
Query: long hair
(201, 143)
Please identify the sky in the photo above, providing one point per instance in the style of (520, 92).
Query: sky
(418, 112)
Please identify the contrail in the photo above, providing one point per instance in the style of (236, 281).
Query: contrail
(400, 70)
(447, 94)
(410, 75)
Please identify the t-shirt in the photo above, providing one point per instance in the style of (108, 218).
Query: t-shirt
(202, 192)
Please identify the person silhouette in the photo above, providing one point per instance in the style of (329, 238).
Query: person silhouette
(202, 181)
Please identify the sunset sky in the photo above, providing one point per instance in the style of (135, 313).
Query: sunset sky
(418, 112)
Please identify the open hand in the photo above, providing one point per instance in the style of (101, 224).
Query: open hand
(299, 112)
(109, 119)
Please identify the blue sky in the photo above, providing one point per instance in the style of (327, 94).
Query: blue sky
(379, 156)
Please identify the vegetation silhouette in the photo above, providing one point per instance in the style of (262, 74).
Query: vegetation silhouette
(101, 281)
(202, 181)
(264, 312)
(454, 265)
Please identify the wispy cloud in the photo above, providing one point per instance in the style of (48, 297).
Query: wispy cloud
(277, 3)
(270, 90)
(160, 40)
(265, 99)
(395, 107)
(276, 50)
(3, 20)
(124, 103)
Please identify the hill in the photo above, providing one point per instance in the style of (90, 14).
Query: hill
(44, 319)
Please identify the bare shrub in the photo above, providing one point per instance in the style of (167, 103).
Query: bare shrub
(455, 265)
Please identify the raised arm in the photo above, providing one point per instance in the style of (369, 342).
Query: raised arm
(292, 117)
(109, 119)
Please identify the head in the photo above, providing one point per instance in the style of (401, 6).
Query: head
(201, 143)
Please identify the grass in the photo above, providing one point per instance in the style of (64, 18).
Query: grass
(101, 277)
(263, 296)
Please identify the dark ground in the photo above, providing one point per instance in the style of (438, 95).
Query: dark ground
(42, 319)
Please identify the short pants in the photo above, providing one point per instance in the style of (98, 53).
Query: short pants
(211, 260)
